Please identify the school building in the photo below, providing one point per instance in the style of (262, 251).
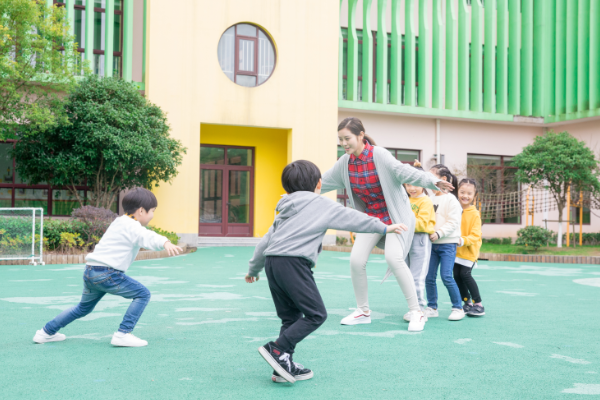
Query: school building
(251, 85)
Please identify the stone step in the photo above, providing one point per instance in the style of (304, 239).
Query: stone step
(227, 241)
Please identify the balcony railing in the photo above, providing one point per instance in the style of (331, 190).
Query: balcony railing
(490, 59)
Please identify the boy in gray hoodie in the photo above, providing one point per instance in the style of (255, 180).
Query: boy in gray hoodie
(289, 251)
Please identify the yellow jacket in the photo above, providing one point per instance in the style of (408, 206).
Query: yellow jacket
(470, 228)
(422, 206)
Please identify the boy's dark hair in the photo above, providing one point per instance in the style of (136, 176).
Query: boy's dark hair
(139, 197)
(300, 176)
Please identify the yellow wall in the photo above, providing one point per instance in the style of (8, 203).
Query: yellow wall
(270, 149)
(184, 78)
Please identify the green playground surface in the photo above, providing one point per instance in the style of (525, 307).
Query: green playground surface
(540, 338)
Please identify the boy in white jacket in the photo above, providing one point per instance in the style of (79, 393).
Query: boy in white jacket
(448, 212)
(106, 267)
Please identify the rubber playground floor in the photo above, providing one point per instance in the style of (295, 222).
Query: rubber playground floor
(540, 338)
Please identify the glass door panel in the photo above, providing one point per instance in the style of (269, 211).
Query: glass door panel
(239, 197)
(211, 196)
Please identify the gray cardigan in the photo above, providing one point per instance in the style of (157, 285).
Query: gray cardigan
(392, 174)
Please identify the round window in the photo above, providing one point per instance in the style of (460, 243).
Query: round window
(246, 55)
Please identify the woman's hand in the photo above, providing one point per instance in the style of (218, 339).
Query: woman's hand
(171, 249)
(445, 186)
(396, 228)
(434, 237)
(251, 279)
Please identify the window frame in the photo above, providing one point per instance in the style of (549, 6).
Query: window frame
(50, 199)
(502, 167)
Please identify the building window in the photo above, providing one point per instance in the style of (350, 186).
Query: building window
(99, 33)
(495, 175)
(404, 156)
(246, 55)
(14, 192)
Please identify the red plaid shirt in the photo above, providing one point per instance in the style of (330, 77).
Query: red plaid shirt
(364, 182)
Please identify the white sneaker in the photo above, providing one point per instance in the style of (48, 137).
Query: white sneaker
(457, 314)
(431, 312)
(357, 317)
(121, 339)
(407, 316)
(42, 337)
(417, 321)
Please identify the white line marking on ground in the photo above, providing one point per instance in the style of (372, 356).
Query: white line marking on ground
(514, 345)
(462, 341)
(583, 388)
(569, 359)
(518, 293)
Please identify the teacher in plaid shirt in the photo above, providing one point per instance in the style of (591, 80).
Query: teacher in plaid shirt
(373, 179)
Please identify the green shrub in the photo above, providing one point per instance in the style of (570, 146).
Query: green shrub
(172, 236)
(495, 241)
(341, 241)
(533, 237)
(507, 241)
(54, 228)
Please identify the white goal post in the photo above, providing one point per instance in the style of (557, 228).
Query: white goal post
(20, 229)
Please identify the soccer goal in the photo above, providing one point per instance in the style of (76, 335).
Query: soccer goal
(22, 234)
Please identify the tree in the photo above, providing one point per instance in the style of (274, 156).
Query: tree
(38, 64)
(555, 161)
(115, 139)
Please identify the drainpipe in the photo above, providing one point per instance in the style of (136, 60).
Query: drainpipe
(438, 148)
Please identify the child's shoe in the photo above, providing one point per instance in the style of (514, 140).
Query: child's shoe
(457, 314)
(42, 337)
(417, 321)
(407, 316)
(431, 312)
(476, 311)
(467, 307)
(121, 339)
(357, 317)
(279, 360)
(300, 374)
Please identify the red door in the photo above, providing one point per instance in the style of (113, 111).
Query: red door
(226, 191)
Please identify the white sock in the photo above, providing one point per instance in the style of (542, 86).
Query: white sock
(119, 334)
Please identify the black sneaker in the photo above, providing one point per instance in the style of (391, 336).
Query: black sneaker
(300, 373)
(476, 311)
(279, 360)
(467, 307)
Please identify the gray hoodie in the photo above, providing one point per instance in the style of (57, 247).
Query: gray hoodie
(303, 220)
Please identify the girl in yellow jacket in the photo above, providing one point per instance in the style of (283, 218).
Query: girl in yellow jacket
(420, 250)
(468, 251)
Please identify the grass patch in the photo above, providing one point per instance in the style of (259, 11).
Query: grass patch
(552, 250)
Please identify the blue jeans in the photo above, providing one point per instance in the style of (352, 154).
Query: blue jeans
(97, 281)
(444, 255)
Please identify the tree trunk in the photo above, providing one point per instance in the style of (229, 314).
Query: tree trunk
(559, 240)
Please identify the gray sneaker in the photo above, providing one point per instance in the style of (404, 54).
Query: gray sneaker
(467, 307)
(476, 311)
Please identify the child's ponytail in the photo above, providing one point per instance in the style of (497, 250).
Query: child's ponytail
(443, 171)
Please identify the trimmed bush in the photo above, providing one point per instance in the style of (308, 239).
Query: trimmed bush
(495, 241)
(507, 241)
(533, 237)
(172, 236)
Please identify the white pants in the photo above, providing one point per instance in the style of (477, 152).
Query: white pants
(394, 256)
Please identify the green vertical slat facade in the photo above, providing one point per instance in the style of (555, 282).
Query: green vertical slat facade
(451, 56)
(89, 32)
(463, 56)
(550, 54)
(514, 57)
(382, 54)
(527, 57)
(540, 52)
(109, 36)
(489, 74)
(409, 54)
(340, 56)
(437, 59)
(502, 58)
(424, 81)
(128, 40)
(476, 56)
(70, 6)
(560, 60)
(396, 56)
(367, 53)
(594, 54)
(583, 56)
(571, 55)
(352, 77)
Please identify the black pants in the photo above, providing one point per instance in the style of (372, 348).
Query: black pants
(295, 293)
(466, 283)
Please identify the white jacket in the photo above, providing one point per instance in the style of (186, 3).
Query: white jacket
(448, 214)
(121, 243)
